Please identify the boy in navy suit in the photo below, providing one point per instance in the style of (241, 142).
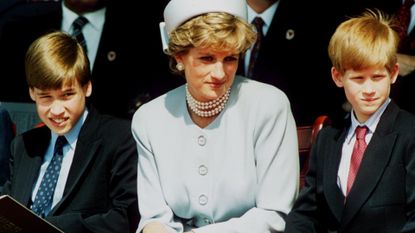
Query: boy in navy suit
(362, 176)
(95, 187)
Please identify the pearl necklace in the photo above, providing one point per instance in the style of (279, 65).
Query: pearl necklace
(207, 109)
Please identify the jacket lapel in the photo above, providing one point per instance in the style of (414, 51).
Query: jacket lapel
(335, 198)
(35, 145)
(376, 158)
(31, 168)
(85, 151)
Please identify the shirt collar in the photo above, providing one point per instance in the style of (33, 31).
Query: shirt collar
(371, 123)
(96, 18)
(266, 16)
(72, 135)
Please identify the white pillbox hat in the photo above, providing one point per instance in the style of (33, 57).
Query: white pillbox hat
(178, 11)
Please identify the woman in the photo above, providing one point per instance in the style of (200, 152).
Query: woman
(218, 154)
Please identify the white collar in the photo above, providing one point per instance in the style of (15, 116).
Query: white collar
(96, 18)
(371, 123)
(266, 16)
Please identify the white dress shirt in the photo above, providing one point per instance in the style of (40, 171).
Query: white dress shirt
(92, 30)
(238, 174)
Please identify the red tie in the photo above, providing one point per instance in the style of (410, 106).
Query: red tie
(402, 20)
(258, 23)
(357, 155)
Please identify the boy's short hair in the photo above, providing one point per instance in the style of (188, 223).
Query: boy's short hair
(364, 41)
(56, 59)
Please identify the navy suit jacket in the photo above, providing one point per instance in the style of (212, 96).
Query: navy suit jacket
(382, 198)
(121, 76)
(293, 57)
(6, 136)
(100, 194)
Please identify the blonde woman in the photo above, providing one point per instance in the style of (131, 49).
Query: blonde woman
(218, 154)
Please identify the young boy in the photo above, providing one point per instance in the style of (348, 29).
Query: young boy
(94, 186)
(364, 181)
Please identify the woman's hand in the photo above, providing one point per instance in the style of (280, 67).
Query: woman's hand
(406, 64)
(155, 227)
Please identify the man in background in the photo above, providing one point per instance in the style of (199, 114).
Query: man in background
(121, 80)
(293, 56)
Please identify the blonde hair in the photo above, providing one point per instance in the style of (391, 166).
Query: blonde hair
(364, 41)
(217, 30)
(56, 59)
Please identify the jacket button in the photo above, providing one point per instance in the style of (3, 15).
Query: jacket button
(201, 140)
(203, 200)
(203, 170)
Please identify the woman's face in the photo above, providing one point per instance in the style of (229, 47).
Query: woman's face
(209, 73)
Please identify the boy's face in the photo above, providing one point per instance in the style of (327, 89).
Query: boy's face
(60, 109)
(366, 89)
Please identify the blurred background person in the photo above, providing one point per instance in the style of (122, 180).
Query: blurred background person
(293, 55)
(403, 91)
(122, 80)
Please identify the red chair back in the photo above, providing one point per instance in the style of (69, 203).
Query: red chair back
(306, 137)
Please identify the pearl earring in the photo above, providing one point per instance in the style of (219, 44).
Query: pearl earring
(180, 66)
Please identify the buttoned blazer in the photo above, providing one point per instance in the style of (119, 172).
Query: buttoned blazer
(383, 196)
(100, 192)
(121, 77)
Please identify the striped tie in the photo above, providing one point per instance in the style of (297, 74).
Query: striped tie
(77, 25)
(258, 23)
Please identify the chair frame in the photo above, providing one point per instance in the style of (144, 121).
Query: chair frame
(306, 137)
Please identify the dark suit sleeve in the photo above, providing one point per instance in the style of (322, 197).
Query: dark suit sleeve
(410, 185)
(303, 218)
(6, 135)
(122, 193)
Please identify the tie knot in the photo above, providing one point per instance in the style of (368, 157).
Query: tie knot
(79, 22)
(361, 132)
(60, 143)
(258, 23)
